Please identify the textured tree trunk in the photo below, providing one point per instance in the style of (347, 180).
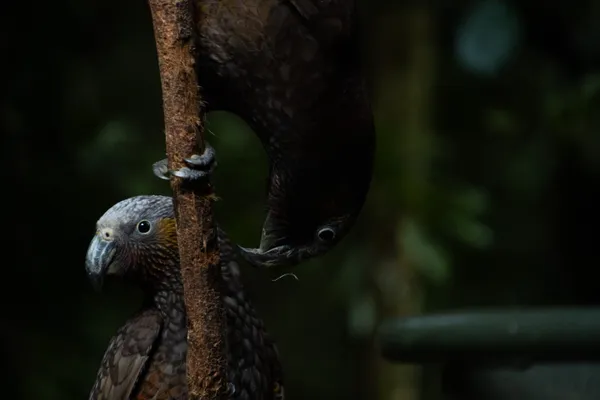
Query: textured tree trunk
(174, 32)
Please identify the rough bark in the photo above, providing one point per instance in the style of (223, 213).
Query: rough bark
(174, 33)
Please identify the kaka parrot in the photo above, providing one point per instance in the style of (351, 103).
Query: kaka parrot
(146, 359)
(291, 70)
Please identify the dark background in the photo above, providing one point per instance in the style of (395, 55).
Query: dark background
(485, 189)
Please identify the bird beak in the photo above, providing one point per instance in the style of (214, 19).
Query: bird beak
(273, 233)
(100, 256)
(275, 249)
(281, 256)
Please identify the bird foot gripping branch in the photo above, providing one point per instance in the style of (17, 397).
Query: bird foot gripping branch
(199, 167)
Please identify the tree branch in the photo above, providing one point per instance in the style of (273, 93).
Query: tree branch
(174, 33)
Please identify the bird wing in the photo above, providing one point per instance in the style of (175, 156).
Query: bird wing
(126, 356)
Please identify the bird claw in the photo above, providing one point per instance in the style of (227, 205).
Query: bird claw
(161, 170)
(199, 166)
(276, 257)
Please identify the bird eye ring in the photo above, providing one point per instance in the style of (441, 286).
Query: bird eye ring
(326, 234)
(144, 227)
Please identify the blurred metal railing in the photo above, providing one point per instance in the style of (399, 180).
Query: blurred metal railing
(502, 354)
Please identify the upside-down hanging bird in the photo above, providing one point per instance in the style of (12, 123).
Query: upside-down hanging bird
(137, 241)
(291, 69)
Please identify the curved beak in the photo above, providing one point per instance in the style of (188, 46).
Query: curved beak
(280, 256)
(276, 248)
(273, 233)
(100, 255)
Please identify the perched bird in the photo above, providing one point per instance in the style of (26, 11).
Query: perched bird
(292, 71)
(136, 240)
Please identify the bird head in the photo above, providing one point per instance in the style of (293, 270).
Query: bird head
(278, 247)
(307, 225)
(135, 238)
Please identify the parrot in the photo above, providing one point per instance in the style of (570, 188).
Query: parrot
(136, 241)
(291, 69)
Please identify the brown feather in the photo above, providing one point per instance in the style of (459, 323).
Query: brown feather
(126, 357)
(147, 357)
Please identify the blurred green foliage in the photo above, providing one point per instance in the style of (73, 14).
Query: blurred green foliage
(485, 189)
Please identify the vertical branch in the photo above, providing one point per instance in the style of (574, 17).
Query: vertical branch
(174, 33)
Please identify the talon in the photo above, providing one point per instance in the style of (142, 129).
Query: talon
(161, 170)
(199, 166)
(190, 174)
(206, 160)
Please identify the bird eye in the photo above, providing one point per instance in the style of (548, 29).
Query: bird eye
(326, 234)
(143, 226)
